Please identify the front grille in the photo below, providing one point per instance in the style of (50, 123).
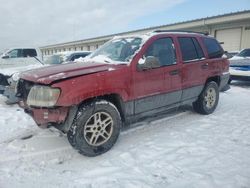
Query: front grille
(23, 88)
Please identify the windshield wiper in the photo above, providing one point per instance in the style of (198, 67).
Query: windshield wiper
(38, 60)
(106, 61)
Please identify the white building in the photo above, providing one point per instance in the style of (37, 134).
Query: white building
(232, 30)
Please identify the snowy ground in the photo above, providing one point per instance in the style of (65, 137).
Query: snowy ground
(184, 150)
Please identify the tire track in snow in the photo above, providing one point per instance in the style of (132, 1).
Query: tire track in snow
(35, 154)
(134, 128)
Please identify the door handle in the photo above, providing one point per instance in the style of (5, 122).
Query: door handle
(174, 72)
(204, 66)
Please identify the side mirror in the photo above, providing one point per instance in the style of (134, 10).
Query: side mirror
(149, 62)
(5, 57)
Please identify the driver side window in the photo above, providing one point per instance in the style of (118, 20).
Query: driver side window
(164, 50)
(15, 53)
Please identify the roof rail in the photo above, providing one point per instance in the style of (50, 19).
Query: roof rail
(162, 31)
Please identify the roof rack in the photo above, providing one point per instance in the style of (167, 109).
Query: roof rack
(163, 31)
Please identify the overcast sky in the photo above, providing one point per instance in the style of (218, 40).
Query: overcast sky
(43, 22)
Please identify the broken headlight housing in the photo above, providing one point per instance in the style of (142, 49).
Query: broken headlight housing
(43, 96)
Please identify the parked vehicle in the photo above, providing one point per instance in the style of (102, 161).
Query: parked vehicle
(231, 54)
(16, 60)
(8, 83)
(64, 57)
(126, 79)
(240, 66)
(20, 57)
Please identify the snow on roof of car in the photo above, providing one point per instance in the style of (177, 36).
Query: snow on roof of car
(143, 36)
(12, 48)
(146, 36)
(70, 52)
(66, 53)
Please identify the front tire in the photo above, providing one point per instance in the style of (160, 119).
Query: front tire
(208, 99)
(95, 128)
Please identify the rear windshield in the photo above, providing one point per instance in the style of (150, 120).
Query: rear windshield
(244, 53)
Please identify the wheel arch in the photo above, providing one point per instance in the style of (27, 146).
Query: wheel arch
(114, 98)
(215, 79)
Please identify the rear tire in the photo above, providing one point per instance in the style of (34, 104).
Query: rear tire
(208, 99)
(95, 128)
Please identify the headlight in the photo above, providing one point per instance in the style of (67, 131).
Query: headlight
(43, 96)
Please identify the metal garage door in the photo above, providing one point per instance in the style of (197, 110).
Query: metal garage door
(230, 37)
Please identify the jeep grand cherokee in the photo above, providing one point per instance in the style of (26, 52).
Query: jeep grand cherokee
(124, 80)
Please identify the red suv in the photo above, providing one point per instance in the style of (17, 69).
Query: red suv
(124, 80)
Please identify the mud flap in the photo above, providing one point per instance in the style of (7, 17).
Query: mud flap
(225, 88)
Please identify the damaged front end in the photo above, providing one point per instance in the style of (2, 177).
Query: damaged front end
(8, 88)
(39, 102)
(3, 83)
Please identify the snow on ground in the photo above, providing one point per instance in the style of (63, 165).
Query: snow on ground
(182, 150)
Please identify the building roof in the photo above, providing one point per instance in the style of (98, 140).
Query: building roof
(106, 37)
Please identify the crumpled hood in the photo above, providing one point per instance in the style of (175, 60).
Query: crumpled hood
(47, 75)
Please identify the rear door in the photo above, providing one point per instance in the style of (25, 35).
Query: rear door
(195, 67)
(159, 87)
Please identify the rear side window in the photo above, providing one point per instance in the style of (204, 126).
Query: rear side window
(190, 49)
(29, 53)
(198, 48)
(74, 57)
(213, 48)
(78, 56)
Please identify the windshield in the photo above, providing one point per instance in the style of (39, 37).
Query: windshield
(244, 53)
(55, 59)
(121, 49)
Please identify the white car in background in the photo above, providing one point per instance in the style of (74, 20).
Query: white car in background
(20, 57)
(17, 60)
(240, 66)
(11, 76)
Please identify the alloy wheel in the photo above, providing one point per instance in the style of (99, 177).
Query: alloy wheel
(98, 128)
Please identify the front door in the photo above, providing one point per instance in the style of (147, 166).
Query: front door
(158, 87)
